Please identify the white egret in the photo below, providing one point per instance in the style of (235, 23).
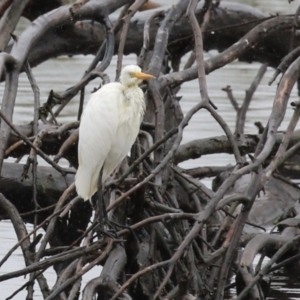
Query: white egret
(108, 128)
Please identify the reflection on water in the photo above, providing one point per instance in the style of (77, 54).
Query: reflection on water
(59, 74)
(285, 285)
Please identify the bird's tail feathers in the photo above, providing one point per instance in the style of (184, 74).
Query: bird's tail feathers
(85, 187)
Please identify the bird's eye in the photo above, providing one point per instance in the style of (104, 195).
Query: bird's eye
(130, 74)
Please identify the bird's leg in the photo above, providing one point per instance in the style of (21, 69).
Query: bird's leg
(102, 214)
(102, 209)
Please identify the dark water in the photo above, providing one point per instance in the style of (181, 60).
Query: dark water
(61, 73)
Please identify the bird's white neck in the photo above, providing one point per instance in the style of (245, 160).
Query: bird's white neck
(130, 86)
(133, 105)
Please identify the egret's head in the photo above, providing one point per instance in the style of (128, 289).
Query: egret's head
(132, 75)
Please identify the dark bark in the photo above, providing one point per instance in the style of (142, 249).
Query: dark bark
(35, 8)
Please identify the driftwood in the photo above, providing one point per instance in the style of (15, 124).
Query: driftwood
(179, 239)
(51, 145)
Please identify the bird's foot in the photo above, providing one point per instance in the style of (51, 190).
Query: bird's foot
(110, 228)
(107, 228)
(125, 227)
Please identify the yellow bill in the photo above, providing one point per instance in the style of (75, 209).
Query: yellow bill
(143, 76)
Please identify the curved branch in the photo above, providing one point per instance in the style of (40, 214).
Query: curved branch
(232, 198)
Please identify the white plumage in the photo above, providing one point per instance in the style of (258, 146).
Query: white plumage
(109, 126)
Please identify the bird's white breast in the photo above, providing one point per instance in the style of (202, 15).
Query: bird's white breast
(132, 108)
(131, 111)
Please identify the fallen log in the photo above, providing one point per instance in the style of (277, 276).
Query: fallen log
(227, 24)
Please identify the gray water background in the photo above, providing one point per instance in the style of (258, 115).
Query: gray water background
(61, 73)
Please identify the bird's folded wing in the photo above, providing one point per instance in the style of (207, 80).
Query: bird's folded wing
(98, 126)
(97, 132)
